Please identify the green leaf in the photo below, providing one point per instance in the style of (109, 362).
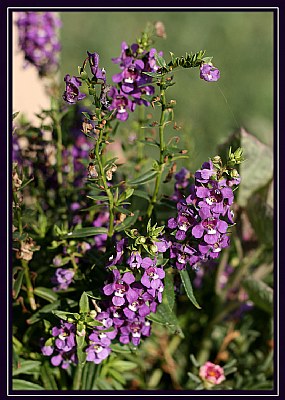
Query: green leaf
(125, 195)
(160, 60)
(85, 232)
(168, 116)
(168, 292)
(47, 377)
(259, 293)
(152, 74)
(46, 293)
(122, 365)
(80, 341)
(188, 287)
(41, 313)
(65, 315)
(118, 348)
(19, 384)
(141, 194)
(128, 222)
(144, 178)
(27, 367)
(18, 283)
(84, 303)
(257, 169)
(193, 377)
(194, 361)
(123, 210)
(99, 197)
(260, 214)
(103, 384)
(164, 316)
(117, 376)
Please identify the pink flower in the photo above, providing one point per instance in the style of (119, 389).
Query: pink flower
(212, 373)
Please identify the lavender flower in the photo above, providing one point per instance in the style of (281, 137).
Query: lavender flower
(63, 346)
(38, 39)
(120, 288)
(98, 348)
(94, 66)
(63, 278)
(133, 330)
(121, 104)
(72, 93)
(209, 73)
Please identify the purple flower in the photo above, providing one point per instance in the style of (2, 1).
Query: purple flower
(94, 65)
(98, 348)
(153, 275)
(135, 260)
(64, 345)
(162, 245)
(120, 288)
(119, 253)
(63, 278)
(120, 104)
(209, 73)
(142, 306)
(38, 39)
(47, 350)
(203, 175)
(212, 227)
(133, 330)
(72, 93)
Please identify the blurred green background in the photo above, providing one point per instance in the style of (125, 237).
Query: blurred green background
(240, 42)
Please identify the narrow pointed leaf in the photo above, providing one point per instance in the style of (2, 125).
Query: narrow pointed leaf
(46, 293)
(84, 303)
(85, 232)
(188, 287)
(259, 293)
(144, 178)
(20, 384)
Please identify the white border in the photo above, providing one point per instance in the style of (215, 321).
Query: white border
(86, 9)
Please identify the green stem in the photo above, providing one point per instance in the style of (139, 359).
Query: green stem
(106, 187)
(18, 212)
(141, 120)
(73, 262)
(30, 289)
(162, 147)
(25, 265)
(77, 377)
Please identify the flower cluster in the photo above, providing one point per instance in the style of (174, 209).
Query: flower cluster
(203, 217)
(38, 39)
(100, 339)
(133, 83)
(62, 345)
(134, 294)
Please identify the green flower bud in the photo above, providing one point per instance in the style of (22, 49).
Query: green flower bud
(153, 248)
(217, 160)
